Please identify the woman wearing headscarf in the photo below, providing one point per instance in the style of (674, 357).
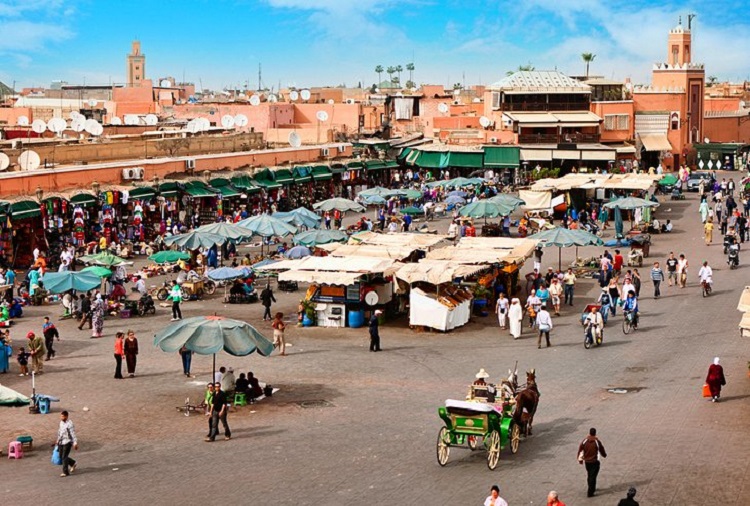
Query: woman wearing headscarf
(703, 210)
(97, 316)
(515, 316)
(715, 380)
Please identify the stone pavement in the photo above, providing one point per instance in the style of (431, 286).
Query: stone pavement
(373, 439)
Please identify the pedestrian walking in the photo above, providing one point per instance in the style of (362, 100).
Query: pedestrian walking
(682, 270)
(85, 311)
(589, 452)
(569, 283)
(657, 276)
(130, 348)
(515, 317)
(119, 353)
(629, 499)
(704, 210)
(175, 295)
(538, 259)
(97, 316)
(553, 499)
(501, 310)
(636, 279)
(187, 359)
(708, 231)
(36, 350)
(671, 268)
(279, 326)
(266, 298)
(715, 379)
(606, 304)
(544, 324)
(50, 333)
(494, 498)
(66, 441)
(219, 412)
(374, 331)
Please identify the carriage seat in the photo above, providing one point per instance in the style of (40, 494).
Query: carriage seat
(476, 407)
(482, 393)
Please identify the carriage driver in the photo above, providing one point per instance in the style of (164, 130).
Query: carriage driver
(481, 390)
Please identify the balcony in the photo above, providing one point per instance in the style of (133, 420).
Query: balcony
(576, 138)
(545, 106)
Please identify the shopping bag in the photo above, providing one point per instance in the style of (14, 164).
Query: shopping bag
(706, 391)
(56, 459)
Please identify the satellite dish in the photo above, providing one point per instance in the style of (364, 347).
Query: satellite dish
(204, 124)
(706, 140)
(151, 119)
(330, 101)
(92, 103)
(4, 161)
(92, 126)
(56, 125)
(305, 94)
(477, 100)
(227, 121)
(371, 298)
(23, 121)
(255, 100)
(273, 98)
(78, 124)
(74, 114)
(443, 107)
(165, 83)
(39, 126)
(322, 116)
(240, 120)
(193, 127)
(294, 140)
(29, 160)
(115, 121)
(132, 119)
(484, 121)
(294, 96)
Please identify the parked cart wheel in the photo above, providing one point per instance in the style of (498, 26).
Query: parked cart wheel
(443, 446)
(493, 449)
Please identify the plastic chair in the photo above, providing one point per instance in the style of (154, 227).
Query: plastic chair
(240, 399)
(26, 442)
(15, 450)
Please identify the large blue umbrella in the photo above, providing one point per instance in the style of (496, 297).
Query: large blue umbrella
(507, 200)
(315, 237)
(485, 209)
(297, 219)
(60, 282)
(342, 205)
(457, 193)
(208, 335)
(195, 239)
(267, 226)
(298, 252)
(455, 199)
(228, 230)
(226, 273)
(374, 200)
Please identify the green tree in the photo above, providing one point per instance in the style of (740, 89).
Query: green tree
(390, 71)
(522, 68)
(587, 58)
(711, 80)
(379, 71)
(410, 68)
(411, 84)
(398, 70)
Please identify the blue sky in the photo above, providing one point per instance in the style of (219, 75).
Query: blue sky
(329, 42)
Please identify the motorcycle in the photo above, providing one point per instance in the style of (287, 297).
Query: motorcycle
(591, 330)
(729, 241)
(146, 305)
(733, 256)
(629, 322)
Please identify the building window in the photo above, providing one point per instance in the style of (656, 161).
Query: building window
(137, 67)
(674, 119)
(495, 100)
(614, 122)
(675, 51)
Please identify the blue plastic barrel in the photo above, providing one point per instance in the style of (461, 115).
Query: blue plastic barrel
(356, 318)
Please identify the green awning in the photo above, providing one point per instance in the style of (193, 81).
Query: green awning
(198, 189)
(302, 174)
(503, 157)
(228, 191)
(354, 165)
(338, 168)
(24, 209)
(432, 159)
(374, 165)
(321, 173)
(472, 160)
(245, 183)
(169, 189)
(83, 199)
(411, 158)
(141, 192)
(267, 184)
(219, 181)
(283, 176)
(402, 156)
(391, 164)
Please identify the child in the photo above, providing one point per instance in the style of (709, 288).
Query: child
(23, 361)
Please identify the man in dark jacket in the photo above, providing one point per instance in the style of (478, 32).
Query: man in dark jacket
(374, 334)
(266, 297)
(85, 311)
(588, 453)
(629, 501)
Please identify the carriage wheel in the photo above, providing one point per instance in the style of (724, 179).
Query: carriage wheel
(472, 442)
(515, 437)
(443, 446)
(493, 456)
(210, 287)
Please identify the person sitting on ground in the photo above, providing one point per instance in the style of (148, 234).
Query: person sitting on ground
(237, 289)
(667, 227)
(228, 381)
(241, 385)
(254, 390)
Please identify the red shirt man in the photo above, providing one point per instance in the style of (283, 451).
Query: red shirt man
(618, 261)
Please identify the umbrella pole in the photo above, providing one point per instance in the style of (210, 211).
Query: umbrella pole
(559, 258)
(213, 371)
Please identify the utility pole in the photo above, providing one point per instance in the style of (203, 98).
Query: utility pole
(260, 74)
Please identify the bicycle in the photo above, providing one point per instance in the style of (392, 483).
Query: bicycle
(629, 322)
(705, 288)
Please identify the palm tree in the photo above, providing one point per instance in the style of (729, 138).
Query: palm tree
(521, 68)
(399, 69)
(588, 58)
(712, 80)
(378, 71)
(390, 71)
(410, 68)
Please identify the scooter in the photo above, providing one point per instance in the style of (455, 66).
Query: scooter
(729, 241)
(733, 256)
(588, 335)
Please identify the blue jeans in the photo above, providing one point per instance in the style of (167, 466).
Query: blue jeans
(568, 291)
(187, 359)
(605, 312)
(613, 306)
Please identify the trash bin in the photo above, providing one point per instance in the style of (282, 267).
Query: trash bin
(356, 318)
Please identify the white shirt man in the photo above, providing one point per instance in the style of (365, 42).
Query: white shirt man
(627, 287)
(706, 274)
(140, 286)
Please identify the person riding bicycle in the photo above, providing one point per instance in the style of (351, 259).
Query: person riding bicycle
(706, 274)
(630, 304)
(594, 323)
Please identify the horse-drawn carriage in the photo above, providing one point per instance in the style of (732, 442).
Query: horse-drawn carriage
(495, 422)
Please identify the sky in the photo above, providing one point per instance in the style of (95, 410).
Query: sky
(220, 43)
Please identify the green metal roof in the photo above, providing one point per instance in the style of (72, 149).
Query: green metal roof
(302, 174)
(283, 176)
(198, 189)
(404, 154)
(169, 189)
(219, 181)
(228, 191)
(321, 173)
(24, 209)
(503, 157)
(83, 199)
(267, 184)
(338, 168)
(354, 165)
(374, 165)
